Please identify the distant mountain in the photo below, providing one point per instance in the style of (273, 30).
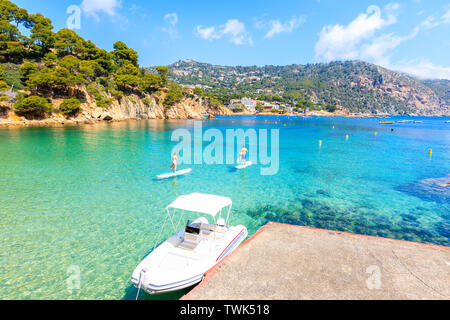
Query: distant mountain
(441, 88)
(358, 86)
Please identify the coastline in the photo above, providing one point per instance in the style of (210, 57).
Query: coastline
(60, 121)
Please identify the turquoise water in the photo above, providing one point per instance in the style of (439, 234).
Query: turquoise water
(87, 196)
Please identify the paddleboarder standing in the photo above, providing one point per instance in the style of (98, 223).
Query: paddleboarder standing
(174, 162)
(243, 155)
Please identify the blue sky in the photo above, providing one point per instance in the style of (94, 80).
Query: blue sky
(410, 35)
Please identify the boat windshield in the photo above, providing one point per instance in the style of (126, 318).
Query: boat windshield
(193, 228)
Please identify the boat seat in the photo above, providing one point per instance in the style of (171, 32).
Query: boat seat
(191, 237)
(207, 229)
(190, 241)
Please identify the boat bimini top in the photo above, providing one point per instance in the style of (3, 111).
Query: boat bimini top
(206, 204)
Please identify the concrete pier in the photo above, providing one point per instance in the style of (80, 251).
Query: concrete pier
(284, 262)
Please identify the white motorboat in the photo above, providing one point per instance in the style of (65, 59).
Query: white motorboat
(183, 259)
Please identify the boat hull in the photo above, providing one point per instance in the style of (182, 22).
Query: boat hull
(153, 279)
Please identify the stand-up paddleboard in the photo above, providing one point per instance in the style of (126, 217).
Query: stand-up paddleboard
(171, 175)
(243, 166)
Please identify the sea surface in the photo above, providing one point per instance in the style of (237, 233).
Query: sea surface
(85, 199)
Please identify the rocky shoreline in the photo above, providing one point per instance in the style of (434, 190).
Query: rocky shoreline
(128, 108)
(132, 108)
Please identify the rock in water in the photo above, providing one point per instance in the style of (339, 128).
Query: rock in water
(432, 189)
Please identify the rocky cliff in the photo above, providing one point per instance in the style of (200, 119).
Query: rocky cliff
(128, 107)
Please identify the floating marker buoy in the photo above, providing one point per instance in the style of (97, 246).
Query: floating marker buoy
(430, 152)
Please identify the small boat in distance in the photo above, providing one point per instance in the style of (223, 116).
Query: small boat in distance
(183, 259)
(387, 122)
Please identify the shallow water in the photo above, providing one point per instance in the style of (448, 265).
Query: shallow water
(87, 196)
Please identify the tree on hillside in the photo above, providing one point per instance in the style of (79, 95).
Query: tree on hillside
(174, 95)
(92, 69)
(127, 77)
(50, 80)
(123, 55)
(71, 63)
(91, 51)
(105, 60)
(41, 32)
(8, 32)
(3, 85)
(68, 42)
(50, 59)
(26, 70)
(164, 73)
(151, 82)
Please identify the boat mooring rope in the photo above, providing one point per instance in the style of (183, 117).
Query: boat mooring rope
(140, 282)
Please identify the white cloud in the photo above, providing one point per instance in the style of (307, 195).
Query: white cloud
(172, 21)
(380, 47)
(172, 18)
(359, 40)
(94, 7)
(207, 33)
(233, 29)
(422, 69)
(433, 22)
(342, 42)
(276, 27)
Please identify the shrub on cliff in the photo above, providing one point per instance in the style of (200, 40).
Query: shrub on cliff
(70, 107)
(33, 106)
(174, 95)
(215, 103)
(3, 86)
(71, 63)
(100, 100)
(152, 82)
(127, 77)
(164, 73)
(199, 92)
(50, 59)
(26, 70)
(331, 108)
(12, 76)
(53, 78)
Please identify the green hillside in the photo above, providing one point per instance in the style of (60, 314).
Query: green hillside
(358, 86)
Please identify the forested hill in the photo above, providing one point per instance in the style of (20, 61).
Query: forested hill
(46, 73)
(358, 86)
